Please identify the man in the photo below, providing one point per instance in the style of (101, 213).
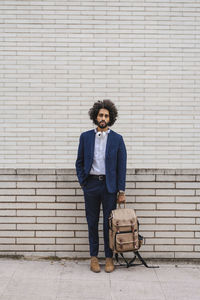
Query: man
(101, 171)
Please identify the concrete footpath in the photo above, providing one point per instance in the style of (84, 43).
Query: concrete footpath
(41, 279)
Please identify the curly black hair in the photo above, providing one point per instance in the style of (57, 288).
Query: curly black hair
(107, 104)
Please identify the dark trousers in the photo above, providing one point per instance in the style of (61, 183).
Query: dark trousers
(95, 193)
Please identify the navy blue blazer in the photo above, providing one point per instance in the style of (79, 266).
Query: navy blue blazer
(115, 160)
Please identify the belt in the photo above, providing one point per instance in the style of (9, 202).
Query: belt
(99, 177)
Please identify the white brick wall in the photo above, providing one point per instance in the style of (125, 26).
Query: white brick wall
(58, 57)
(44, 221)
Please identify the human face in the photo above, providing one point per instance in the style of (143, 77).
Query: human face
(103, 118)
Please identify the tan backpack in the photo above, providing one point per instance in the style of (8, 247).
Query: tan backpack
(124, 234)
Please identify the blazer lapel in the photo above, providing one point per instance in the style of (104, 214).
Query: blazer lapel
(108, 142)
(92, 144)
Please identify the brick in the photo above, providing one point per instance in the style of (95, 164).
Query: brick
(147, 171)
(156, 213)
(175, 192)
(147, 248)
(26, 240)
(17, 220)
(36, 226)
(185, 241)
(7, 212)
(15, 205)
(18, 233)
(83, 234)
(69, 199)
(70, 213)
(175, 178)
(82, 220)
(155, 199)
(17, 192)
(36, 198)
(188, 213)
(187, 227)
(45, 233)
(158, 254)
(7, 240)
(176, 206)
(66, 171)
(53, 247)
(192, 171)
(16, 247)
(7, 171)
(175, 220)
(84, 248)
(29, 184)
(143, 177)
(7, 253)
(175, 248)
(140, 206)
(72, 241)
(10, 178)
(157, 227)
(147, 234)
(187, 255)
(56, 220)
(188, 185)
(136, 192)
(146, 220)
(155, 241)
(7, 226)
(130, 185)
(7, 199)
(68, 185)
(7, 184)
(35, 171)
(57, 177)
(155, 185)
(192, 199)
(38, 254)
(56, 206)
(35, 213)
(174, 234)
(78, 227)
(80, 206)
(55, 192)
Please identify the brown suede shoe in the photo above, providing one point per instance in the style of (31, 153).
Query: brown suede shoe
(94, 264)
(109, 267)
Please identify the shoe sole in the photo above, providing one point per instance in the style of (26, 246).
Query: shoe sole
(98, 271)
(109, 271)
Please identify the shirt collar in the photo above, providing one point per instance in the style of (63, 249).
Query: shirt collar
(107, 131)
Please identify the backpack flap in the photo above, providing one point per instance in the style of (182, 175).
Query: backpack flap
(126, 241)
(124, 217)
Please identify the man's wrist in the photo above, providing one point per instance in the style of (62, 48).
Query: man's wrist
(121, 192)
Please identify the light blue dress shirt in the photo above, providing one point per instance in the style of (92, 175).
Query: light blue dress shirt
(98, 165)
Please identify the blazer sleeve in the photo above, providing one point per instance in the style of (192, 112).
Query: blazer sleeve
(121, 165)
(80, 161)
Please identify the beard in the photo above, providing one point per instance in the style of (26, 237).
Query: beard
(102, 124)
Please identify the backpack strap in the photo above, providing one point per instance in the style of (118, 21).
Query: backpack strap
(143, 261)
(130, 263)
